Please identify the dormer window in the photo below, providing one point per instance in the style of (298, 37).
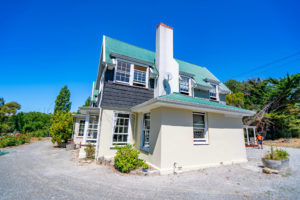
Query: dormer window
(139, 77)
(123, 71)
(213, 92)
(132, 74)
(184, 85)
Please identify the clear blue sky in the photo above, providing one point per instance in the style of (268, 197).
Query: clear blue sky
(46, 45)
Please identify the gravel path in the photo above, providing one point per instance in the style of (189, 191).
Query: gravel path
(39, 171)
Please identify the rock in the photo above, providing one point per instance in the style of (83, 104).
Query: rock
(269, 171)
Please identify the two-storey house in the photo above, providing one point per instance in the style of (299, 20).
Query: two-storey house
(173, 111)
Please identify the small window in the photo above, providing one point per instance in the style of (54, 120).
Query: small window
(81, 127)
(93, 128)
(139, 77)
(213, 92)
(123, 71)
(146, 132)
(121, 128)
(199, 126)
(184, 85)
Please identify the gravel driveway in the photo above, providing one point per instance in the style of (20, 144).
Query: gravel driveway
(39, 171)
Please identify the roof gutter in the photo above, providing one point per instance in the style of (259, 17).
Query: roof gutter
(173, 103)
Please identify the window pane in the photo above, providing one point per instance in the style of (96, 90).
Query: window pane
(146, 130)
(120, 134)
(184, 84)
(199, 127)
(123, 71)
(199, 133)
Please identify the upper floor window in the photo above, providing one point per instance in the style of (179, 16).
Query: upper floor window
(139, 77)
(184, 85)
(131, 73)
(213, 92)
(123, 71)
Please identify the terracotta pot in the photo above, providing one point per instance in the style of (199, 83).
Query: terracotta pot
(276, 164)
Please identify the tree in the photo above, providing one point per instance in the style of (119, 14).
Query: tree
(234, 86)
(87, 102)
(31, 121)
(7, 110)
(62, 102)
(61, 127)
(235, 99)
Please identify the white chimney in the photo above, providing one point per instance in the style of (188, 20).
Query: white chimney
(168, 68)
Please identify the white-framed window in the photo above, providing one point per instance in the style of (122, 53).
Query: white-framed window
(121, 128)
(81, 127)
(184, 85)
(123, 71)
(139, 75)
(213, 92)
(92, 129)
(131, 73)
(199, 128)
(145, 139)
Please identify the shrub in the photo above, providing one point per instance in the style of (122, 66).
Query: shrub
(90, 151)
(61, 127)
(145, 166)
(278, 154)
(127, 159)
(14, 140)
(40, 133)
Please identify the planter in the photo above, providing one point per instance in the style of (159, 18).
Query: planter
(276, 164)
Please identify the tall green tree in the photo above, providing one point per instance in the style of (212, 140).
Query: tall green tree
(87, 102)
(62, 102)
(7, 110)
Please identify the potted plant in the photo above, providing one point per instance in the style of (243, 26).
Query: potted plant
(278, 159)
(145, 167)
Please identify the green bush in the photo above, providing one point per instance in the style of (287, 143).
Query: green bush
(278, 154)
(145, 166)
(127, 159)
(40, 133)
(90, 151)
(14, 140)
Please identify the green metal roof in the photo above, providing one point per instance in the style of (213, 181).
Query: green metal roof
(188, 99)
(117, 46)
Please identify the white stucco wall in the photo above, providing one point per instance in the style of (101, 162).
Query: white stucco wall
(106, 130)
(153, 157)
(171, 140)
(225, 146)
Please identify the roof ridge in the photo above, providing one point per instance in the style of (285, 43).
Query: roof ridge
(151, 51)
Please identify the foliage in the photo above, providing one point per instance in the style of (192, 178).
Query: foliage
(278, 154)
(276, 102)
(127, 159)
(145, 166)
(7, 110)
(61, 127)
(14, 140)
(235, 99)
(90, 150)
(87, 102)
(33, 122)
(62, 102)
